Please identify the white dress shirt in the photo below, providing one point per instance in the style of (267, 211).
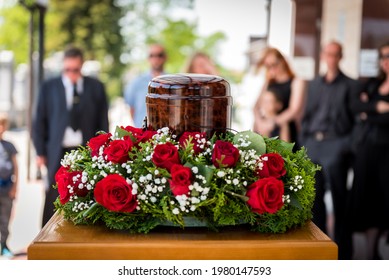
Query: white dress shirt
(71, 138)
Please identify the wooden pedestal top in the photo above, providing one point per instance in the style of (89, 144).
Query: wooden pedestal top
(60, 240)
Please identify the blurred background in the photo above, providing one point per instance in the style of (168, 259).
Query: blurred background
(115, 33)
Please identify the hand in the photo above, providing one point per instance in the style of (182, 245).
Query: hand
(363, 116)
(364, 97)
(382, 107)
(266, 126)
(41, 161)
(12, 192)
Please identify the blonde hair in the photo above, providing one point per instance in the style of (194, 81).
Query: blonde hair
(282, 60)
(190, 64)
(4, 120)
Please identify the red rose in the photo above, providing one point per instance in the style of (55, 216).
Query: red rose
(139, 135)
(117, 150)
(145, 136)
(273, 166)
(193, 138)
(165, 155)
(224, 154)
(265, 195)
(134, 130)
(67, 183)
(181, 179)
(115, 194)
(96, 142)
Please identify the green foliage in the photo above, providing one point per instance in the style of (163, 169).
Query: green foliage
(115, 33)
(220, 191)
(14, 30)
(256, 141)
(181, 40)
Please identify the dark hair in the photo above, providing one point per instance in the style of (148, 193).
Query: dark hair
(381, 73)
(275, 92)
(73, 52)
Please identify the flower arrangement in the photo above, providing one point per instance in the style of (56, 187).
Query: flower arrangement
(138, 179)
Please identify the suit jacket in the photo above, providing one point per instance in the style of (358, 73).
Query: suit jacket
(341, 117)
(51, 118)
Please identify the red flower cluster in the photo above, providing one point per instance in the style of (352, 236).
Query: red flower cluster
(224, 154)
(265, 194)
(115, 193)
(197, 139)
(68, 183)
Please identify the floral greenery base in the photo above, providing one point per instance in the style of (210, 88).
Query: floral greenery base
(138, 179)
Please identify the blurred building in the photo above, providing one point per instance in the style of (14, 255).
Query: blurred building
(300, 27)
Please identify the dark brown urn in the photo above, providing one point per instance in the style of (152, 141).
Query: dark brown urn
(189, 102)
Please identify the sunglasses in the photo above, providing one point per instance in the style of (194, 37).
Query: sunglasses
(72, 70)
(271, 65)
(385, 56)
(159, 55)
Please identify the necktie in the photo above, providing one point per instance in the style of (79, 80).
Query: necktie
(74, 120)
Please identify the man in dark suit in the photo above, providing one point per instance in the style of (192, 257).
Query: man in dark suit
(70, 110)
(326, 133)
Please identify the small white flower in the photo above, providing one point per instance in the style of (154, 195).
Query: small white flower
(176, 211)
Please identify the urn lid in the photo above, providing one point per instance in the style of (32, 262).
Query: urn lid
(189, 85)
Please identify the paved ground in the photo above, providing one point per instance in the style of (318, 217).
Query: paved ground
(26, 216)
(25, 224)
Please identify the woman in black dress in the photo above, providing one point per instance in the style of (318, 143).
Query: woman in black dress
(369, 207)
(290, 89)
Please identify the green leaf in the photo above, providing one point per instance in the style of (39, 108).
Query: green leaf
(287, 146)
(207, 172)
(204, 170)
(294, 201)
(120, 132)
(91, 210)
(257, 142)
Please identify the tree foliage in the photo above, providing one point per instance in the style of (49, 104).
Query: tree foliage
(113, 32)
(14, 21)
(94, 26)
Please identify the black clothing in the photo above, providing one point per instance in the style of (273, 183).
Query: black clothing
(283, 92)
(369, 201)
(340, 119)
(51, 118)
(326, 129)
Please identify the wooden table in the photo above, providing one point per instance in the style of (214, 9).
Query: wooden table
(60, 239)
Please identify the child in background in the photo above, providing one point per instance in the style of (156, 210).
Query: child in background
(271, 106)
(8, 185)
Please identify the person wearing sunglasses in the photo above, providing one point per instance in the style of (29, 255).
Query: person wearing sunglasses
(281, 79)
(369, 202)
(135, 91)
(71, 109)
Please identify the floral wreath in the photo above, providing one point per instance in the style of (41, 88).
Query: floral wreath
(137, 179)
